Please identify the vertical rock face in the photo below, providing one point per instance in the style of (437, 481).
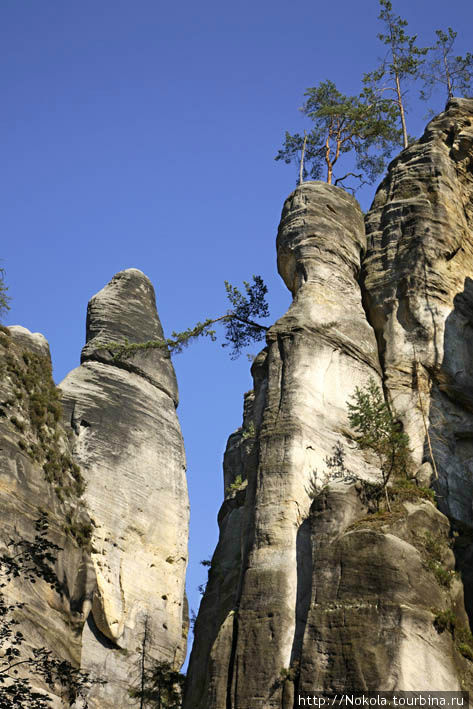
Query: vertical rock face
(44, 533)
(260, 581)
(419, 294)
(127, 439)
(308, 589)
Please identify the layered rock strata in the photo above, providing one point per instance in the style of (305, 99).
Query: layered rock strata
(46, 577)
(419, 296)
(127, 439)
(259, 584)
(309, 589)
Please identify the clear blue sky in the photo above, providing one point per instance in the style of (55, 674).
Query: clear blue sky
(143, 134)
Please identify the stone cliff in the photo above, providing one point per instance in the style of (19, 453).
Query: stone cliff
(316, 583)
(310, 587)
(128, 443)
(94, 505)
(46, 576)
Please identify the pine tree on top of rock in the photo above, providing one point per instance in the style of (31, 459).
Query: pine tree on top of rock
(364, 125)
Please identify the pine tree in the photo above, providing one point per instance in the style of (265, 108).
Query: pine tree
(378, 430)
(240, 327)
(401, 64)
(4, 299)
(454, 73)
(364, 125)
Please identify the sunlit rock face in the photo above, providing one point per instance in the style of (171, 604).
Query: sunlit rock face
(419, 293)
(308, 588)
(255, 607)
(127, 439)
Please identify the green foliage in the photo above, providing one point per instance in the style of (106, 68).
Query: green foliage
(291, 673)
(455, 73)
(160, 685)
(4, 298)
(407, 490)
(32, 561)
(236, 484)
(378, 431)
(363, 124)
(402, 63)
(434, 550)
(162, 688)
(38, 400)
(405, 57)
(249, 431)
(34, 409)
(372, 123)
(240, 328)
(400, 491)
(446, 620)
(466, 650)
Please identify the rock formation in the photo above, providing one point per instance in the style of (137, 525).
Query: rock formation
(127, 440)
(419, 296)
(317, 353)
(310, 589)
(316, 583)
(46, 577)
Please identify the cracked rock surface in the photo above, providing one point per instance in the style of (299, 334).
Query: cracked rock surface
(317, 353)
(128, 442)
(309, 589)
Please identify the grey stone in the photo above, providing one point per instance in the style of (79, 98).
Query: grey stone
(128, 442)
(34, 341)
(419, 296)
(319, 592)
(316, 355)
(29, 438)
(109, 321)
(425, 475)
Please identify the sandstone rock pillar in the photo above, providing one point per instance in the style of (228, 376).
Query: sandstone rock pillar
(128, 442)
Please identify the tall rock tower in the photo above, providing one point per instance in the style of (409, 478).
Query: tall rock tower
(311, 587)
(127, 440)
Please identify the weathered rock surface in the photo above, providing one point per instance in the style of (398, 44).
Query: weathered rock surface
(40, 489)
(308, 589)
(376, 599)
(128, 442)
(316, 355)
(419, 296)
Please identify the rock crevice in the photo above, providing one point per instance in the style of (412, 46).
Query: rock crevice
(128, 442)
(318, 593)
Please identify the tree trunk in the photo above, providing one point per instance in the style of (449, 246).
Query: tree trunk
(142, 663)
(447, 74)
(301, 170)
(327, 157)
(401, 111)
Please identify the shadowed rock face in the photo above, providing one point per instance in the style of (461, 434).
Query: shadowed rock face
(128, 442)
(370, 624)
(308, 590)
(316, 355)
(38, 481)
(419, 295)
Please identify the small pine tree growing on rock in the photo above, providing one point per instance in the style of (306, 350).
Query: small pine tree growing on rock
(455, 73)
(378, 430)
(240, 327)
(4, 299)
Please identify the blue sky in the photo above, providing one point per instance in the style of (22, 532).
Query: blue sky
(143, 134)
